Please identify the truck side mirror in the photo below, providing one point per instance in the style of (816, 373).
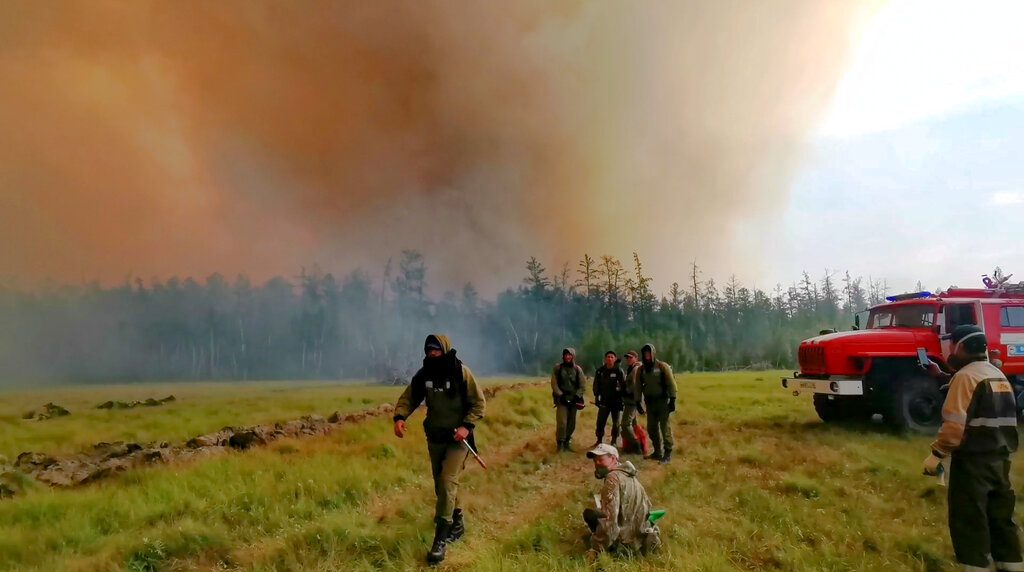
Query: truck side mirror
(856, 321)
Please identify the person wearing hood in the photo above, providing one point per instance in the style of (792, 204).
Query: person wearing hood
(568, 384)
(608, 384)
(455, 404)
(653, 381)
(978, 434)
(622, 516)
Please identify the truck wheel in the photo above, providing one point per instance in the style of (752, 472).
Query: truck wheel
(916, 405)
(828, 410)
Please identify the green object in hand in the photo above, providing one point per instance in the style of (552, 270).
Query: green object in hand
(655, 516)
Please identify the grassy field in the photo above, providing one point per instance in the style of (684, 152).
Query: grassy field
(198, 408)
(758, 484)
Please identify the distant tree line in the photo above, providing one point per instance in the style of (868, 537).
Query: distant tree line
(316, 326)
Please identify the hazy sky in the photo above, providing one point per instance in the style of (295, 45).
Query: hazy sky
(761, 139)
(917, 170)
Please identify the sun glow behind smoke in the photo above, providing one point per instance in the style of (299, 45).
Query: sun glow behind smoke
(919, 59)
(152, 139)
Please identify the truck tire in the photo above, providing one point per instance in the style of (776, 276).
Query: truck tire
(832, 408)
(915, 405)
(828, 410)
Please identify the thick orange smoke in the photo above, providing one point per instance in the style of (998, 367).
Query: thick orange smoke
(159, 138)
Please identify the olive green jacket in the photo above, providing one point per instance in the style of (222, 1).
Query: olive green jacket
(453, 397)
(657, 384)
(568, 382)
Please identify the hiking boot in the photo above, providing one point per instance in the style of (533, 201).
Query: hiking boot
(560, 446)
(458, 526)
(666, 458)
(568, 446)
(655, 456)
(436, 554)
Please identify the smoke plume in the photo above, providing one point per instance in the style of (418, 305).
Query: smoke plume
(159, 138)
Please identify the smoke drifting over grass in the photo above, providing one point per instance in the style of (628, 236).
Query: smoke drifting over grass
(166, 138)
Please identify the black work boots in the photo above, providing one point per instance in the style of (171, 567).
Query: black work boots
(444, 534)
(458, 526)
(441, 531)
(565, 445)
(666, 457)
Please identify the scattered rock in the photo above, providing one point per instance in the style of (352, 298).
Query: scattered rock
(220, 438)
(49, 411)
(247, 438)
(106, 459)
(116, 449)
(149, 402)
(30, 460)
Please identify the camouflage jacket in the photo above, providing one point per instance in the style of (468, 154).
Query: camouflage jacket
(625, 508)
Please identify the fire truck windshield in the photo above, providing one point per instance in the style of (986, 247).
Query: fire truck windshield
(909, 316)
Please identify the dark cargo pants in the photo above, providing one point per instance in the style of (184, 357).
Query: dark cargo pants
(447, 460)
(981, 523)
(603, 413)
(565, 422)
(658, 427)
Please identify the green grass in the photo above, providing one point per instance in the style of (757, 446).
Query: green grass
(199, 408)
(758, 484)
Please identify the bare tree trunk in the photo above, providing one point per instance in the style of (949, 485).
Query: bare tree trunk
(519, 347)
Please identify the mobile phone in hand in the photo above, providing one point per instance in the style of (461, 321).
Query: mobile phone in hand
(922, 358)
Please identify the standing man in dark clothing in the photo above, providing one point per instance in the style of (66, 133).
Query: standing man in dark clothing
(455, 404)
(568, 383)
(631, 406)
(654, 382)
(609, 380)
(979, 432)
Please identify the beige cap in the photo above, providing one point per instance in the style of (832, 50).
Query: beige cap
(602, 450)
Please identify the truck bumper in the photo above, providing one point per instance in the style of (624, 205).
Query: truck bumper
(830, 386)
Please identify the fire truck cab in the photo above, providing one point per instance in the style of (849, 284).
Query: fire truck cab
(877, 370)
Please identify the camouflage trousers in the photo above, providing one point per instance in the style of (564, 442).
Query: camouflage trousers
(447, 460)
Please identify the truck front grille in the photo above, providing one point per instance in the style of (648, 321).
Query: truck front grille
(812, 359)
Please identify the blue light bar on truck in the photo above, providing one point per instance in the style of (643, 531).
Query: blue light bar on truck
(911, 296)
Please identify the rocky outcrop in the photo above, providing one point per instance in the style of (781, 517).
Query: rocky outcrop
(150, 402)
(106, 459)
(48, 411)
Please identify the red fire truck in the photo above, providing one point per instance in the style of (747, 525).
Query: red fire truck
(878, 369)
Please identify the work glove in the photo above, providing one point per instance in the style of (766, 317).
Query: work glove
(461, 434)
(932, 465)
(671, 404)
